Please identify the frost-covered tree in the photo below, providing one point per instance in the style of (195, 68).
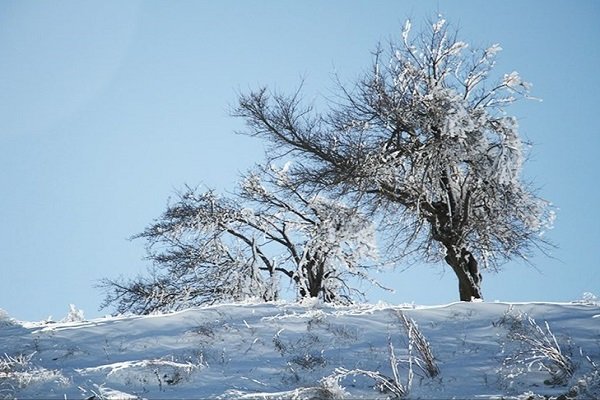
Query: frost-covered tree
(199, 254)
(207, 248)
(326, 243)
(423, 138)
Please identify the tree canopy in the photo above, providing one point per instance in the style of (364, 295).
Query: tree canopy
(424, 139)
(207, 248)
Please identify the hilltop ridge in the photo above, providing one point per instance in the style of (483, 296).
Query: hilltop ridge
(283, 350)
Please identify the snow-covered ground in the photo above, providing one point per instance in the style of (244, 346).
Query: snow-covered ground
(482, 350)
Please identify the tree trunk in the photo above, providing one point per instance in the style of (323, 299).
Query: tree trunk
(465, 267)
(313, 273)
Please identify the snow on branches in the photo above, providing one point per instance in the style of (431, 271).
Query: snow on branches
(207, 248)
(424, 140)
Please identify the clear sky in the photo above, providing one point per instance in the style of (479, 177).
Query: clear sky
(108, 107)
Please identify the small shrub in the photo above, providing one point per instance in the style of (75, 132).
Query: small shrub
(17, 372)
(590, 299)
(74, 315)
(538, 349)
(587, 386)
(17, 363)
(385, 384)
(6, 320)
(417, 341)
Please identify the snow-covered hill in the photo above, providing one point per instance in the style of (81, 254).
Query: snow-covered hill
(482, 350)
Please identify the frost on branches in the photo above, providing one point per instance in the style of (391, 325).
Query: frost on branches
(424, 140)
(206, 248)
(324, 242)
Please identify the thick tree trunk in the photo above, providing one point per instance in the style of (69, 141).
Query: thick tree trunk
(313, 278)
(466, 269)
(460, 259)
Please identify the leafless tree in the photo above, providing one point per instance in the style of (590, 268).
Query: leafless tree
(325, 241)
(207, 248)
(424, 139)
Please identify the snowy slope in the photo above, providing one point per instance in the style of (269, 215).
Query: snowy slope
(295, 351)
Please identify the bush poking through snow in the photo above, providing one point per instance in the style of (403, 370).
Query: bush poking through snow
(539, 349)
(417, 341)
(587, 386)
(394, 385)
(18, 372)
(589, 299)
(74, 315)
(14, 374)
(390, 385)
(5, 319)
(11, 364)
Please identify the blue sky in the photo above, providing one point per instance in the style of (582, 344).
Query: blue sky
(107, 108)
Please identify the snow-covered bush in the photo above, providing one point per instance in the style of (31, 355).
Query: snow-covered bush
(391, 385)
(588, 385)
(74, 315)
(537, 350)
(545, 352)
(11, 364)
(583, 387)
(18, 372)
(5, 319)
(395, 384)
(532, 352)
(417, 341)
(589, 299)
(385, 384)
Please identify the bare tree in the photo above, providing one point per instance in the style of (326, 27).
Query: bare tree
(423, 138)
(326, 242)
(201, 254)
(207, 248)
